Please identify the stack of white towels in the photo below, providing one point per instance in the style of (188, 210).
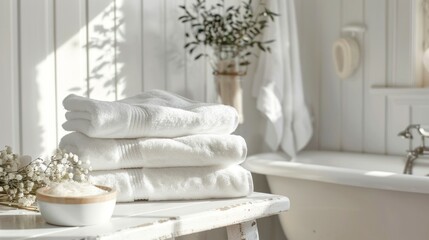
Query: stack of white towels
(159, 146)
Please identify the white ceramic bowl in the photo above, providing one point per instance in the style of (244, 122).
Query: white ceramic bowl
(76, 211)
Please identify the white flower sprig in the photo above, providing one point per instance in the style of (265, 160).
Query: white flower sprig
(18, 183)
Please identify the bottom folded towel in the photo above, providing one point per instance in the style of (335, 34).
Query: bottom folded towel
(176, 183)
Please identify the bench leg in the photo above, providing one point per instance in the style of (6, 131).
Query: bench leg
(243, 231)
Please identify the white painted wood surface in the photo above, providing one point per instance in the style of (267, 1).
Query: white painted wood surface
(245, 231)
(374, 64)
(9, 79)
(352, 88)
(351, 114)
(152, 220)
(37, 77)
(330, 85)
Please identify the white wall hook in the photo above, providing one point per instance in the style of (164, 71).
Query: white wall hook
(354, 29)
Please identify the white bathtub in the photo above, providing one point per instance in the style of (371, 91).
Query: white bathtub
(348, 196)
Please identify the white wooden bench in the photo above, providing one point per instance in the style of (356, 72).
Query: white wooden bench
(153, 220)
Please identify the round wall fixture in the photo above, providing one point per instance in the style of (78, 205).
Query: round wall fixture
(346, 56)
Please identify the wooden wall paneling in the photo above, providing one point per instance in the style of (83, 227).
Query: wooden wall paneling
(175, 52)
(129, 55)
(374, 62)
(154, 54)
(101, 49)
(330, 99)
(418, 48)
(71, 54)
(38, 92)
(403, 56)
(9, 80)
(398, 118)
(195, 70)
(352, 88)
(402, 43)
(391, 40)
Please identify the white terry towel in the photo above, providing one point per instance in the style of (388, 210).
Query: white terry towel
(176, 183)
(192, 150)
(153, 113)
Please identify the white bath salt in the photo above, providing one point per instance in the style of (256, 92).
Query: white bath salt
(73, 189)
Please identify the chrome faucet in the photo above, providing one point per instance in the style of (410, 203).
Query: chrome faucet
(414, 153)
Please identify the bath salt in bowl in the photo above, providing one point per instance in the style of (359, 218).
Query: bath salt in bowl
(76, 204)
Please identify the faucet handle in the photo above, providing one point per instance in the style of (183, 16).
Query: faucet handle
(424, 131)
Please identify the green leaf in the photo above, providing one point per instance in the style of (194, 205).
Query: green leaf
(245, 63)
(198, 56)
(260, 46)
(192, 49)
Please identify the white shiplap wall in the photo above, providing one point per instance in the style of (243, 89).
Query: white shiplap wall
(350, 115)
(103, 49)
(110, 49)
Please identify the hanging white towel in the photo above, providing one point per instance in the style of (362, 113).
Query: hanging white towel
(153, 113)
(176, 183)
(192, 150)
(278, 84)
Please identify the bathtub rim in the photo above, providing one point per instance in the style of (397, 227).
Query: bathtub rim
(277, 164)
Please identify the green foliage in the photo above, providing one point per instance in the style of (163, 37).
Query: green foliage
(218, 25)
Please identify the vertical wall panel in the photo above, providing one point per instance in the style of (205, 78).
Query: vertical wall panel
(401, 49)
(330, 99)
(38, 77)
(352, 87)
(374, 61)
(392, 12)
(175, 52)
(128, 47)
(71, 53)
(9, 81)
(399, 117)
(405, 45)
(417, 36)
(101, 49)
(195, 71)
(154, 74)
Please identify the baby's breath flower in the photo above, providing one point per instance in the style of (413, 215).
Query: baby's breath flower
(20, 176)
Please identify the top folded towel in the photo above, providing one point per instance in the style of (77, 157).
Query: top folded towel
(153, 113)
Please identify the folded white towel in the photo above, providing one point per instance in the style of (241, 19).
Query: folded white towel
(176, 183)
(153, 113)
(192, 150)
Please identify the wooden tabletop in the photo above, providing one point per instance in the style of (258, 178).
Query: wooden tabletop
(149, 220)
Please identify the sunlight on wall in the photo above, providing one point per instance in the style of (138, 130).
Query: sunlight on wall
(101, 52)
(84, 62)
(45, 107)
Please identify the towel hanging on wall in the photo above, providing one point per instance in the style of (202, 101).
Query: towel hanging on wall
(345, 53)
(278, 84)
